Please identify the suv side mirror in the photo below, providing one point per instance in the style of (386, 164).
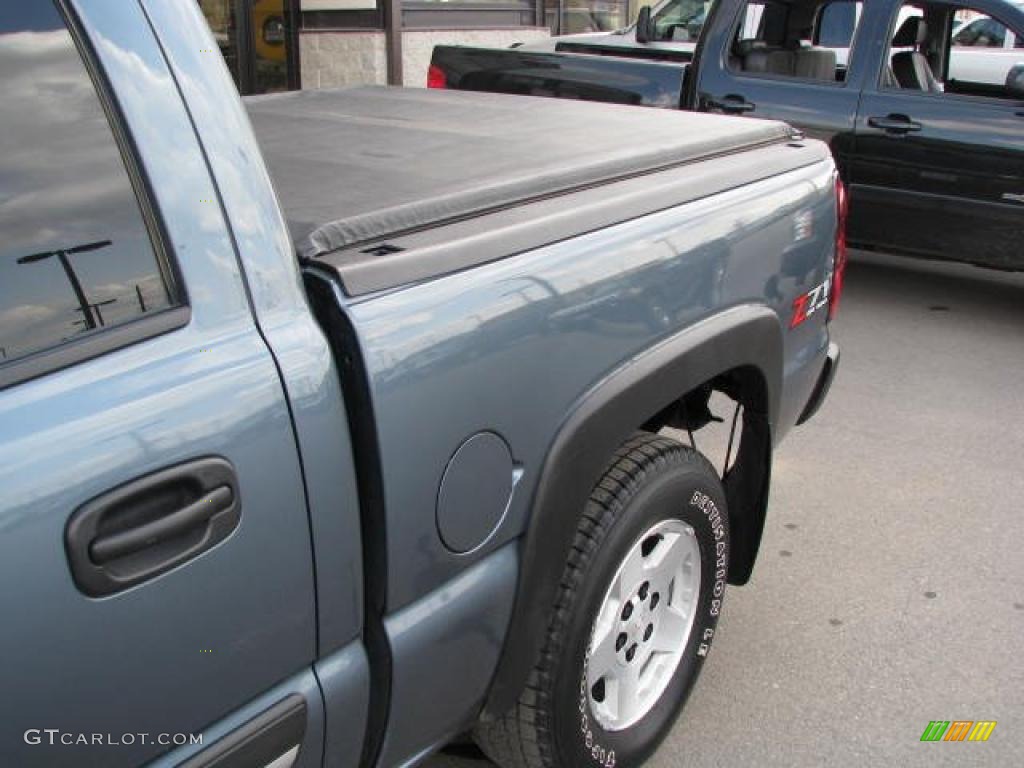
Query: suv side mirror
(644, 27)
(1015, 82)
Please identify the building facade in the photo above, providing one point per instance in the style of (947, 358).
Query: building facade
(273, 45)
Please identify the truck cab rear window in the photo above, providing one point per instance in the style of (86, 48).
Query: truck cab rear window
(76, 256)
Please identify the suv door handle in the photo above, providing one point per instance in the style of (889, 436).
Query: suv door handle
(732, 103)
(150, 525)
(894, 124)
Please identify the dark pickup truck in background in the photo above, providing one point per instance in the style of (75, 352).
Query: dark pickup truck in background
(329, 475)
(924, 115)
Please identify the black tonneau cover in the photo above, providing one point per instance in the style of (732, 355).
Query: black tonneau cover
(354, 166)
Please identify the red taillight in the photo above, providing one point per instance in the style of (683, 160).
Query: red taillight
(436, 77)
(839, 264)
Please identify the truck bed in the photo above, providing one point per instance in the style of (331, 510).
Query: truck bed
(353, 167)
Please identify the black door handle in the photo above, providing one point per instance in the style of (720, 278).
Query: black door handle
(894, 124)
(150, 525)
(107, 548)
(733, 104)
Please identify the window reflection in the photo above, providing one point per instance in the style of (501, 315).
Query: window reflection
(75, 254)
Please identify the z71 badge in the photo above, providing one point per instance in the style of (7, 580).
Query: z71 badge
(807, 304)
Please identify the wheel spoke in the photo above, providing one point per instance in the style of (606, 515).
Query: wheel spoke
(602, 654)
(683, 594)
(632, 574)
(670, 554)
(671, 632)
(627, 693)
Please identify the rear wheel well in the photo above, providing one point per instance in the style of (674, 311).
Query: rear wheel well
(743, 385)
(740, 351)
(746, 468)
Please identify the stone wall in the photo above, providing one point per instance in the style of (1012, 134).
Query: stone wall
(341, 59)
(334, 59)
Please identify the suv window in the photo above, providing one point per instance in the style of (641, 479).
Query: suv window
(986, 33)
(981, 33)
(783, 40)
(981, 54)
(75, 252)
(978, 56)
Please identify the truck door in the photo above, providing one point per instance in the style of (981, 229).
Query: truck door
(939, 167)
(157, 580)
(797, 62)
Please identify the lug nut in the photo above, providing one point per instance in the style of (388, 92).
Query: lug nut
(648, 632)
(654, 600)
(644, 589)
(627, 611)
(620, 641)
(631, 652)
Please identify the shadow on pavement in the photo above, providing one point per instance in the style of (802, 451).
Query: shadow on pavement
(935, 285)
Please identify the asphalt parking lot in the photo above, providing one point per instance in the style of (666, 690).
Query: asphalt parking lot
(890, 586)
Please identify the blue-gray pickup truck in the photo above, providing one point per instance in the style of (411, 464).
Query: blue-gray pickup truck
(337, 424)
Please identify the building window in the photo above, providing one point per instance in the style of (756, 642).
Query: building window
(571, 17)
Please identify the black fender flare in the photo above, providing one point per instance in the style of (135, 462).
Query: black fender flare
(746, 336)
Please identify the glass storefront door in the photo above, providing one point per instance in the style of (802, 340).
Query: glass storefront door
(269, 33)
(255, 38)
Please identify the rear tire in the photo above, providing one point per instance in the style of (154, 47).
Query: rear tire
(611, 679)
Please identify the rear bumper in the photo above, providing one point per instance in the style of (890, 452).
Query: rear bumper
(828, 373)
